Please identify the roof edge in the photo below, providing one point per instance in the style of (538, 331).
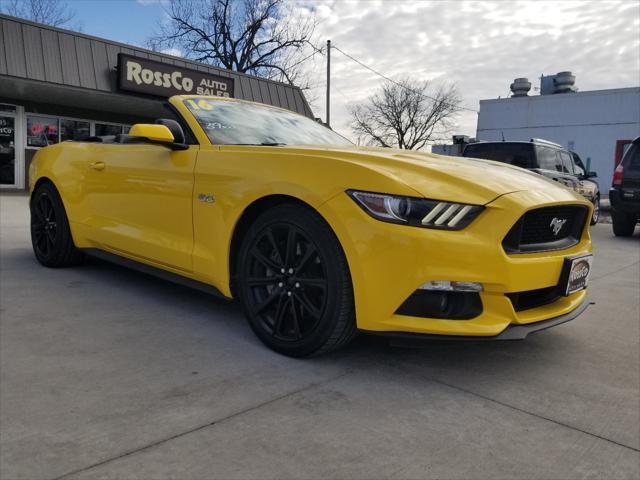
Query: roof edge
(604, 91)
(143, 49)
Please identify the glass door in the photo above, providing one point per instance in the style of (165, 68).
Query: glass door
(12, 170)
(8, 161)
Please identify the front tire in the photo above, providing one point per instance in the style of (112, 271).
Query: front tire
(294, 283)
(596, 210)
(623, 223)
(50, 234)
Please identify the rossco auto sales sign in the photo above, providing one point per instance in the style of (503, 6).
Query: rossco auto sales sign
(140, 75)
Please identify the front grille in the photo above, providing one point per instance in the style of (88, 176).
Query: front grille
(533, 298)
(537, 224)
(547, 228)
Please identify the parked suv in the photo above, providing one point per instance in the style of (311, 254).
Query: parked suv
(546, 158)
(625, 192)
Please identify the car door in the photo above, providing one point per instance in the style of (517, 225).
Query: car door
(552, 165)
(567, 175)
(139, 199)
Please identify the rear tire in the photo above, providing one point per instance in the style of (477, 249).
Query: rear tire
(294, 283)
(50, 234)
(623, 223)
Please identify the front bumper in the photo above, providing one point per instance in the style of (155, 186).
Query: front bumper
(620, 204)
(389, 262)
(512, 332)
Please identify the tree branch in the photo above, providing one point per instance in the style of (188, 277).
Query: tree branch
(403, 115)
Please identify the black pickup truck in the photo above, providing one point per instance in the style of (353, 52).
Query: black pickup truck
(624, 194)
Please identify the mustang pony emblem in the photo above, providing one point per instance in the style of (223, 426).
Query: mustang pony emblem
(556, 224)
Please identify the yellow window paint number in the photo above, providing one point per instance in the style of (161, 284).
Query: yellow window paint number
(201, 104)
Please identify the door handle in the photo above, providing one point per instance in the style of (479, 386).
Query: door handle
(97, 165)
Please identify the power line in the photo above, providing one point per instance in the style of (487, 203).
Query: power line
(400, 84)
(316, 51)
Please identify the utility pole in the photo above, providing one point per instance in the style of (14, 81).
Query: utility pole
(328, 116)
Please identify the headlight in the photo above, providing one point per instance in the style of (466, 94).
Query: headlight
(417, 212)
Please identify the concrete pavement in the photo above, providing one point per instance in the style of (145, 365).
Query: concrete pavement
(108, 373)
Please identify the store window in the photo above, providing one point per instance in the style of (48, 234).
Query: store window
(103, 129)
(41, 131)
(74, 130)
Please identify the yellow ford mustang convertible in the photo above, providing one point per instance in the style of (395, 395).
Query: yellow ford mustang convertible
(316, 237)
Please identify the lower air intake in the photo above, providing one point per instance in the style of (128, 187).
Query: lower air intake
(533, 298)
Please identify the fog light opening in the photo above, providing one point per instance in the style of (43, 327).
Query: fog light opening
(450, 305)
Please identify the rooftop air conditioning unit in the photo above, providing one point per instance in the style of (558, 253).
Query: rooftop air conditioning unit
(520, 87)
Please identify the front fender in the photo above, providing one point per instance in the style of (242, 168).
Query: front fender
(237, 176)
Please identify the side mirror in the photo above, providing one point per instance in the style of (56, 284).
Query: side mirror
(590, 175)
(155, 133)
(159, 134)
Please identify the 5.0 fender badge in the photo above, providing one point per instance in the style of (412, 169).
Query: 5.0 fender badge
(203, 197)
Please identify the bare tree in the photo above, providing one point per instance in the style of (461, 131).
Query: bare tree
(50, 12)
(266, 38)
(406, 114)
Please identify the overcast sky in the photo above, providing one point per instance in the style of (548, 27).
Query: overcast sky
(481, 46)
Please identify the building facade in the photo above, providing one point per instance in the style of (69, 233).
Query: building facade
(596, 124)
(58, 85)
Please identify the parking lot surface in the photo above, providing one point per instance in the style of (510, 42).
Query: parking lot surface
(109, 373)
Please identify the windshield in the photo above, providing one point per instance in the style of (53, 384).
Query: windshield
(578, 166)
(236, 123)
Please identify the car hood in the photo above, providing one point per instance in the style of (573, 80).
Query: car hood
(446, 178)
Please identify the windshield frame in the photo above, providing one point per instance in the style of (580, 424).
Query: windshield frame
(181, 102)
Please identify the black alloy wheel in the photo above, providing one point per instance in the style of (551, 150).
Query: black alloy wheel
(50, 234)
(44, 225)
(294, 283)
(288, 282)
